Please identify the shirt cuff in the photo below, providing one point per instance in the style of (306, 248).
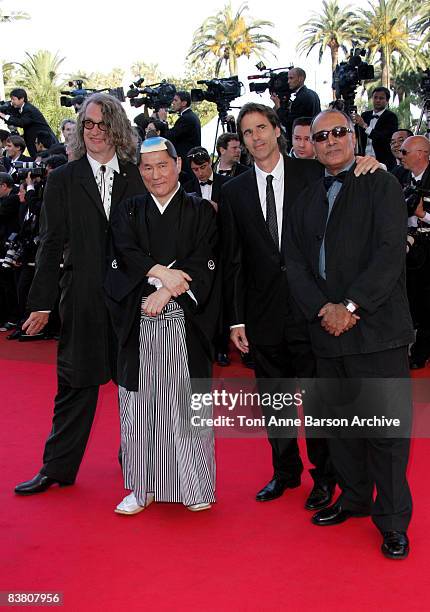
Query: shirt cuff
(30, 188)
(426, 218)
(44, 311)
(368, 130)
(237, 325)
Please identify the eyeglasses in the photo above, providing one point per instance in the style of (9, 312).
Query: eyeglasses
(89, 124)
(405, 152)
(338, 132)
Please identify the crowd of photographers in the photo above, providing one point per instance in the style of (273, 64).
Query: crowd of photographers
(27, 159)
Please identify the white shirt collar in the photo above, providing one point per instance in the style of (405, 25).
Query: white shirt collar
(277, 172)
(112, 164)
(420, 176)
(162, 207)
(379, 113)
(185, 110)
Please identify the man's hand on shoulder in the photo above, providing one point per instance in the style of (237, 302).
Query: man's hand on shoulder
(367, 164)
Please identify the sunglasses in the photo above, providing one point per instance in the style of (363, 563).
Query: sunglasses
(199, 158)
(338, 132)
(89, 124)
(406, 152)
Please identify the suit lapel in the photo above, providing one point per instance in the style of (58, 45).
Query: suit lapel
(119, 186)
(88, 182)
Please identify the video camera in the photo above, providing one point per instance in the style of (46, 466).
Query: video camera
(75, 97)
(219, 91)
(156, 96)
(5, 107)
(277, 83)
(349, 74)
(19, 250)
(413, 195)
(36, 169)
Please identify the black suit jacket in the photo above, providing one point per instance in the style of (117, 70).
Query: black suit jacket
(385, 127)
(255, 281)
(193, 186)
(401, 174)
(74, 226)
(7, 162)
(305, 104)
(31, 121)
(186, 133)
(365, 240)
(9, 216)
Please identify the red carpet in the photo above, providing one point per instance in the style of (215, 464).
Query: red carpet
(241, 555)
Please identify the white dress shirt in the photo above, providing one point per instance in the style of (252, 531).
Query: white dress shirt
(278, 188)
(207, 189)
(111, 166)
(413, 221)
(369, 146)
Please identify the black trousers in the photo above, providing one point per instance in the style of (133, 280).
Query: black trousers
(290, 359)
(418, 285)
(359, 463)
(74, 411)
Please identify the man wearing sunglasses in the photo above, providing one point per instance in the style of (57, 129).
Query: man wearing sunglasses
(78, 201)
(414, 155)
(346, 270)
(396, 142)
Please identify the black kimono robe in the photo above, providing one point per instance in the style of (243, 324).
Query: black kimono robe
(127, 281)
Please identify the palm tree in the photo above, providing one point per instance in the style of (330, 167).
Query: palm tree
(383, 29)
(422, 25)
(8, 17)
(333, 28)
(229, 36)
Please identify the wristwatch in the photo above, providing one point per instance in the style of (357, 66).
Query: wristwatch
(349, 305)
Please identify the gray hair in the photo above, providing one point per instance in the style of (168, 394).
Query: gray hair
(65, 122)
(119, 131)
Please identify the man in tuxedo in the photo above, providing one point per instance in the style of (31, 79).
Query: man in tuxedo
(415, 154)
(396, 142)
(304, 101)
(186, 133)
(78, 200)
(346, 270)
(261, 315)
(229, 153)
(15, 147)
(28, 117)
(377, 127)
(206, 183)
(302, 145)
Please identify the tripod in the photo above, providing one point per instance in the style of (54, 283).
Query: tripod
(227, 125)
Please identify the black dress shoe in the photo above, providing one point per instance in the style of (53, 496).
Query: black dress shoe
(320, 496)
(222, 359)
(395, 544)
(335, 514)
(15, 335)
(276, 487)
(417, 364)
(27, 338)
(38, 484)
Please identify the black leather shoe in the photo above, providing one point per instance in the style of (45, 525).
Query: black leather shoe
(15, 335)
(395, 544)
(320, 496)
(276, 487)
(335, 514)
(38, 484)
(222, 359)
(27, 338)
(417, 364)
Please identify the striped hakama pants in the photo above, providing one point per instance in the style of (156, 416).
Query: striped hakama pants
(162, 453)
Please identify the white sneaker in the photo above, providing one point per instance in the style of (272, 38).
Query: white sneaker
(199, 507)
(129, 504)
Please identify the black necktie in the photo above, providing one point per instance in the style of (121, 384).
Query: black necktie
(330, 179)
(102, 183)
(208, 182)
(271, 218)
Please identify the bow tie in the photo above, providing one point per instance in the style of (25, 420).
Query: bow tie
(375, 116)
(208, 182)
(224, 172)
(415, 182)
(330, 179)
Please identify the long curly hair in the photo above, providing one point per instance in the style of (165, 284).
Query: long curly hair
(120, 132)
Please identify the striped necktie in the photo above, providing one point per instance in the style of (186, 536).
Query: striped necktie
(271, 218)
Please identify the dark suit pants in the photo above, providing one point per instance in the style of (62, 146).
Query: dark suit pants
(291, 358)
(418, 283)
(74, 411)
(360, 463)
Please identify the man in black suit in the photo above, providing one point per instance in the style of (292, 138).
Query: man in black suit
(78, 200)
(304, 102)
(186, 133)
(229, 154)
(346, 270)
(28, 117)
(260, 312)
(415, 154)
(396, 142)
(206, 183)
(377, 127)
(15, 147)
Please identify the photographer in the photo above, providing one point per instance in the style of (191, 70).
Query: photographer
(15, 147)
(377, 127)
(27, 241)
(304, 102)
(229, 153)
(9, 207)
(186, 133)
(415, 154)
(21, 113)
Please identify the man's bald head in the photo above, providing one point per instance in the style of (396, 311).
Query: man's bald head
(415, 153)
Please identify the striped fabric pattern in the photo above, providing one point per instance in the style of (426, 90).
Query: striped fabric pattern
(161, 452)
